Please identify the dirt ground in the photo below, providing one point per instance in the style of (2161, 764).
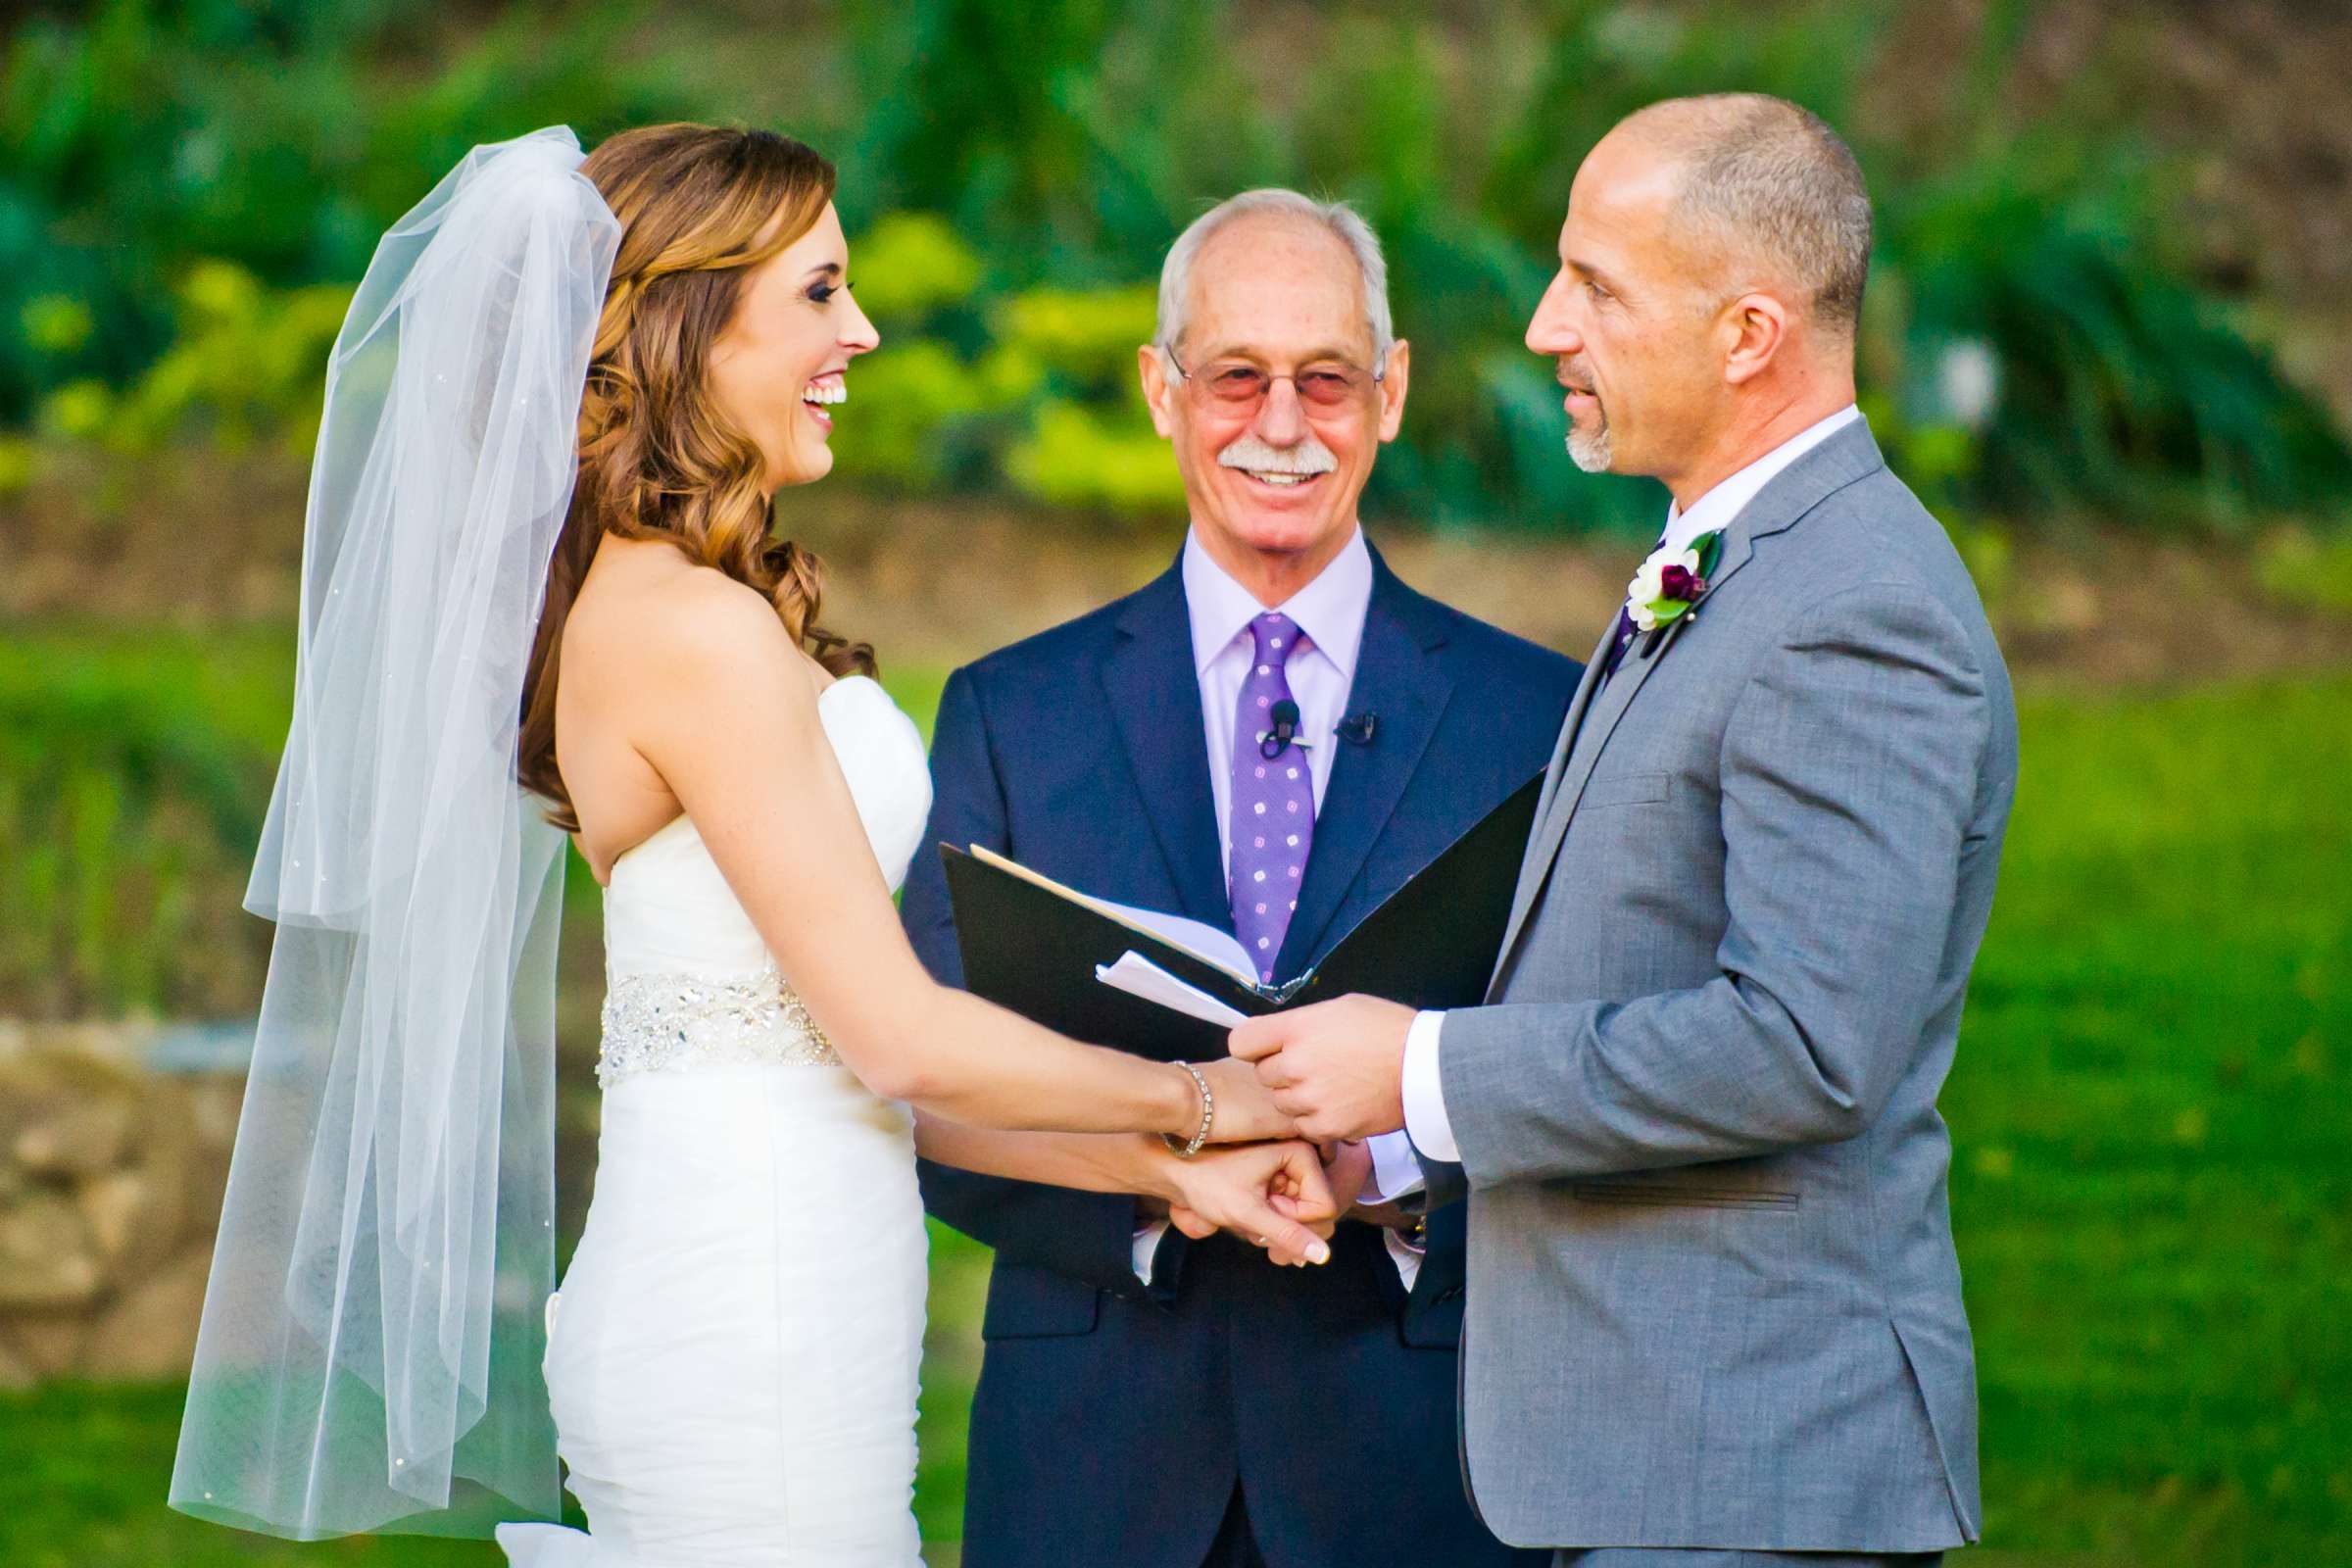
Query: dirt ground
(199, 540)
(2102, 610)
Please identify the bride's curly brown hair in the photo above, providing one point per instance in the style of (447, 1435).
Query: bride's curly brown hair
(700, 207)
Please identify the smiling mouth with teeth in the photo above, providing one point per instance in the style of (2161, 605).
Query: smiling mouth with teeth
(1281, 480)
(818, 395)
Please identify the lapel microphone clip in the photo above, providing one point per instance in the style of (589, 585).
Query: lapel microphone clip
(1355, 729)
(1272, 743)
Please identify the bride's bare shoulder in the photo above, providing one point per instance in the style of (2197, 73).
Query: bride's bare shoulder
(677, 625)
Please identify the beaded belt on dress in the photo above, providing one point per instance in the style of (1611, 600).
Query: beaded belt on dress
(668, 1022)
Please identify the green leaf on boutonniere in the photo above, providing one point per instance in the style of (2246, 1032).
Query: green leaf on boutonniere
(1710, 551)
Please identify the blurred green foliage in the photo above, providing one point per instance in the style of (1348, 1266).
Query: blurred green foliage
(132, 776)
(186, 185)
(246, 361)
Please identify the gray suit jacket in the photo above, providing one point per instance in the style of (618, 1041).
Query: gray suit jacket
(1713, 1300)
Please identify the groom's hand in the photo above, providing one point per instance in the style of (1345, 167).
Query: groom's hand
(1337, 1068)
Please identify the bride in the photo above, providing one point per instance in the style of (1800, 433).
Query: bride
(537, 553)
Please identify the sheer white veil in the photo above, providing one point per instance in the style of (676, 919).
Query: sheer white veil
(372, 1338)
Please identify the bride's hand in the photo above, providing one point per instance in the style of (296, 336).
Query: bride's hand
(1245, 1112)
(1271, 1194)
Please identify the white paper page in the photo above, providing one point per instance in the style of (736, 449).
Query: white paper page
(1139, 976)
(1201, 939)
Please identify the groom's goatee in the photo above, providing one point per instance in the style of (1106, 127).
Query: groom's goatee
(1590, 450)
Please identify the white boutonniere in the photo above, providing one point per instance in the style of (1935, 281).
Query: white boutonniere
(1671, 582)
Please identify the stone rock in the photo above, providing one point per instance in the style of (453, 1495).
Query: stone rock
(54, 1067)
(214, 1103)
(47, 1259)
(151, 1332)
(78, 1139)
(134, 1215)
(171, 1165)
(111, 1174)
(50, 1344)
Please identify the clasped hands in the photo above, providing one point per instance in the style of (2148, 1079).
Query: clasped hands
(1300, 1093)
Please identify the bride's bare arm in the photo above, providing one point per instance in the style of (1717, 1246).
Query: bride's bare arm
(729, 719)
(1273, 1194)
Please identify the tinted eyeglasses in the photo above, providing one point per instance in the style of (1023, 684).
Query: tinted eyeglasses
(1238, 384)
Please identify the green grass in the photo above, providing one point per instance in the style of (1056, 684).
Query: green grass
(2152, 1195)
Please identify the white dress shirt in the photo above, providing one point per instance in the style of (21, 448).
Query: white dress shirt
(1425, 1118)
(1331, 612)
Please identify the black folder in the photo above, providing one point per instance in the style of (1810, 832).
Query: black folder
(1033, 945)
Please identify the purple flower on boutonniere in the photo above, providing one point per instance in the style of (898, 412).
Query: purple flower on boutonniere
(1671, 581)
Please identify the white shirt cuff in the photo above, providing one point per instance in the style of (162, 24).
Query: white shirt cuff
(1425, 1118)
(1147, 1243)
(1406, 1256)
(1395, 1172)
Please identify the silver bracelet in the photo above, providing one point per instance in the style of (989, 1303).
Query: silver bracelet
(1209, 1116)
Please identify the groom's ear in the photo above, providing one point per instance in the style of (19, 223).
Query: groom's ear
(1754, 330)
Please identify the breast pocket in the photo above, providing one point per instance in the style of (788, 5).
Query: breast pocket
(1625, 789)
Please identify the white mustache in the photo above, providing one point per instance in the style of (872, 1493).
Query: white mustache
(1309, 457)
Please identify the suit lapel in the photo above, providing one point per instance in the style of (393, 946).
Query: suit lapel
(1607, 707)
(1154, 698)
(1543, 841)
(1397, 678)
(1835, 464)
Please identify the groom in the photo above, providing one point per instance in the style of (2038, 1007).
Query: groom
(1715, 1312)
(1147, 1401)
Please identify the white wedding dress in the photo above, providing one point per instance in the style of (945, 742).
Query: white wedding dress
(732, 1357)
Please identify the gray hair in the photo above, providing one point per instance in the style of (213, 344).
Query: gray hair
(1342, 220)
(1766, 180)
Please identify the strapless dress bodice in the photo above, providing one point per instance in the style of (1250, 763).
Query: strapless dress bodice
(689, 979)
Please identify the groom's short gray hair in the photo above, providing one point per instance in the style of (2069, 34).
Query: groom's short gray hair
(1342, 220)
(1766, 179)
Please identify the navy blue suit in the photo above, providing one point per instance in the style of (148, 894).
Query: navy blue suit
(1113, 1422)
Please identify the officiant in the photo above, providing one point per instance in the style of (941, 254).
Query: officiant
(1272, 736)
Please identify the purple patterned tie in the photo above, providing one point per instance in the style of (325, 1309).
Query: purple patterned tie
(1273, 813)
(1618, 644)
